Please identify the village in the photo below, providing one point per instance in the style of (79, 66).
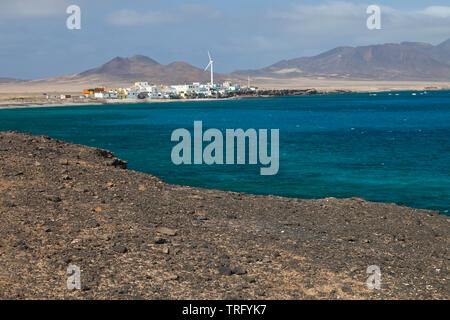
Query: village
(144, 90)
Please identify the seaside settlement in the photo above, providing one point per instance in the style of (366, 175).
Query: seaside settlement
(144, 90)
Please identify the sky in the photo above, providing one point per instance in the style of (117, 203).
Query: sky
(241, 34)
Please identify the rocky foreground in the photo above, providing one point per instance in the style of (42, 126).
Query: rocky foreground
(134, 236)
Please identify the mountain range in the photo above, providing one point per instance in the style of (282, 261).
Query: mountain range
(123, 71)
(403, 61)
(144, 68)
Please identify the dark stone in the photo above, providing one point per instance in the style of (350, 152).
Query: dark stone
(8, 204)
(120, 248)
(104, 153)
(347, 289)
(21, 245)
(85, 287)
(225, 270)
(93, 224)
(53, 198)
(224, 257)
(159, 240)
(119, 163)
(239, 271)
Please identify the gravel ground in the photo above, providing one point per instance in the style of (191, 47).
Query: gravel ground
(135, 237)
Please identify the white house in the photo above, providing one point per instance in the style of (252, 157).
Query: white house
(132, 94)
(181, 88)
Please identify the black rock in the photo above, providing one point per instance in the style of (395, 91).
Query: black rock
(104, 153)
(159, 240)
(53, 198)
(93, 224)
(120, 248)
(119, 163)
(225, 270)
(239, 271)
(8, 204)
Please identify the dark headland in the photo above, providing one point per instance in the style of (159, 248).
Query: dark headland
(134, 236)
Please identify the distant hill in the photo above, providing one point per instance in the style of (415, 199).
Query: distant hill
(440, 53)
(141, 68)
(405, 61)
(9, 80)
(445, 45)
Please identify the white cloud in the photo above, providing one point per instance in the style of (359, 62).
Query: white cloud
(197, 10)
(437, 11)
(331, 10)
(345, 23)
(11, 9)
(126, 17)
(183, 13)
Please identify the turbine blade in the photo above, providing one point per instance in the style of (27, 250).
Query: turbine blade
(209, 55)
(207, 66)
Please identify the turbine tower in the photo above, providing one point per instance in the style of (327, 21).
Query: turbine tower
(211, 63)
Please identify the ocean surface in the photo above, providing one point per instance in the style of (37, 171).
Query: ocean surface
(387, 148)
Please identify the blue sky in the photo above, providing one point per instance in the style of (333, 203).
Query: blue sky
(35, 42)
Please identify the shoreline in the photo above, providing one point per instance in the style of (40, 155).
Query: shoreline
(99, 103)
(133, 235)
(94, 102)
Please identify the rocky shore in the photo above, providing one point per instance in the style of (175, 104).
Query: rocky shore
(135, 237)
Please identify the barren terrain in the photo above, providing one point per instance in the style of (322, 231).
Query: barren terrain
(136, 237)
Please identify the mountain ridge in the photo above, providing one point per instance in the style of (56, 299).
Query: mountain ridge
(143, 68)
(390, 61)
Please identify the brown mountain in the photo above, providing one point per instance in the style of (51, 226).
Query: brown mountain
(440, 53)
(119, 72)
(142, 68)
(405, 61)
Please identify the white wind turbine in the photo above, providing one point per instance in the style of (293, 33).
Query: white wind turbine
(211, 63)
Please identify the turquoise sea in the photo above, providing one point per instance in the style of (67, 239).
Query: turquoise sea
(388, 148)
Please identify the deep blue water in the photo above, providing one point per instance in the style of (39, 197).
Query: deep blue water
(381, 148)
